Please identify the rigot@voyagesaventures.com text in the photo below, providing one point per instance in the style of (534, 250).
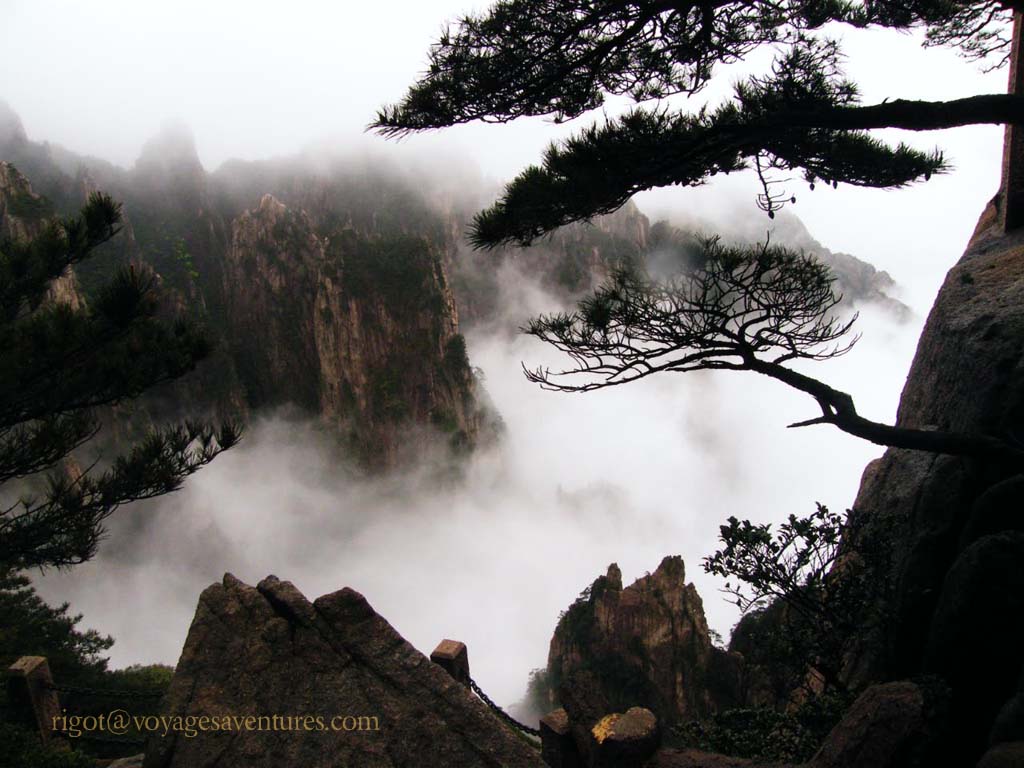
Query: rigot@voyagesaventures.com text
(120, 722)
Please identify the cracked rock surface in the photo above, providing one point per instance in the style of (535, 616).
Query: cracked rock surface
(267, 651)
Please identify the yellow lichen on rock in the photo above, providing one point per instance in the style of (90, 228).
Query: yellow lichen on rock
(605, 727)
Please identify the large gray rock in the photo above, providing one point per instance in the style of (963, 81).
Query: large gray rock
(977, 636)
(1008, 755)
(967, 376)
(951, 592)
(885, 728)
(267, 651)
(998, 509)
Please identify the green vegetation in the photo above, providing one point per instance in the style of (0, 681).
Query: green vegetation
(563, 59)
(184, 258)
(59, 366)
(456, 359)
(30, 627)
(20, 748)
(400, 269)
(776, 643)
(764, 734)
(444, 420)
(387, 393)
(24, 205)
(805, 612)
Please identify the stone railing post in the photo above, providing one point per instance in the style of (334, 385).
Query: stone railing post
(558, 749)
(453, 657)
(29, 690)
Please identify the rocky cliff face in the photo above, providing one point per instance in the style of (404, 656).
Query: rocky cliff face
(345, 687)
(951, 525)
(329, 292)
(24, 215)
(344, 297)
(362, 331)
(858, 281)
(646, 645)
(576, 258)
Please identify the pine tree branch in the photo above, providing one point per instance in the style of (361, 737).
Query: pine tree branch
(910, 115)
(745, 309)
(64, 528)
(839, 410)
(600, 169)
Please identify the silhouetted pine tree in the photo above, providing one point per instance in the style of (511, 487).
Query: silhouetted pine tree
(560, 58)
(57, 365)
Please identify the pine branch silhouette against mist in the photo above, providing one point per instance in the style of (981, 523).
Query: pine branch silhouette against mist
(562, 59)
(59, 365)
(742, 309)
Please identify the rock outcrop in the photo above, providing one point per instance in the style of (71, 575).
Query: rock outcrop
(323, 290)
(941, 520)
(23, 216)
(888, 726)
(346, 690)
(362, 331)
(644, 645)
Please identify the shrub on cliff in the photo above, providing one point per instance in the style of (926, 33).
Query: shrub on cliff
(20, 748)
(765, 734)
(801, 604)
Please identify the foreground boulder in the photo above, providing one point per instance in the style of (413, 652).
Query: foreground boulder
(590, 733)
(977, 634)
(267, 652)
(626, 739)
(888, 726)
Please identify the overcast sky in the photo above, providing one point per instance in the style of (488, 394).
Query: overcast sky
(256, 79)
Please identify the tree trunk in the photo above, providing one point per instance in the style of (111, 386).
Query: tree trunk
(1012, 189)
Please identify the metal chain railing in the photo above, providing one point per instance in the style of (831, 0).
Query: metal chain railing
(129, 694)
(501, 713)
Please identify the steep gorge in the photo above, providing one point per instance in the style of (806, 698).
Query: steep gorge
(334, 285)
(339, 315)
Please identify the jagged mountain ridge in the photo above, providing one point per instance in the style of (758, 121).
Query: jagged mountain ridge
(324, 310)
(342, 292)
